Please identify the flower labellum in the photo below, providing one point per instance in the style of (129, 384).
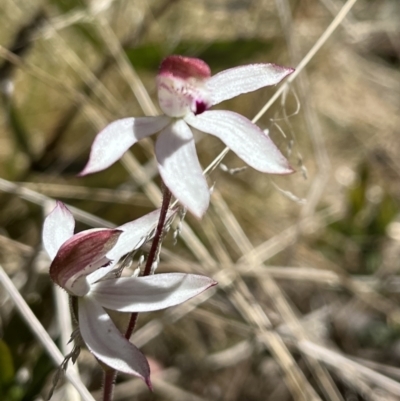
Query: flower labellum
(186, 92)
(81, 255)
(181, 86)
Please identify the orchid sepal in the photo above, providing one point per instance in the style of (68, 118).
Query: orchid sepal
(180, 168)
(58, 227)
(244, 138)
(107, 343)
(117, 137)
(244, 79)
(147, 294)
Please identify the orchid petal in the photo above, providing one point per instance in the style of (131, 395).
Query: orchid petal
(107, 343)
(134, 234)
(81, 255)
(117, 137)
(180, 168)
(244, 138)
(58, 227)
(248, 78)
(150, 293)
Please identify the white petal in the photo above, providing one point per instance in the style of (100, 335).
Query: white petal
(58, 227)
(107, 343)
(180, 168)
(244, 138)
(115, 139)
(150, 293)
(101, 272)
(248, 78)
(134, 234)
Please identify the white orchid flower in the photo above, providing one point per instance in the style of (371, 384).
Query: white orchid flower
(186, 90)
(80, 261)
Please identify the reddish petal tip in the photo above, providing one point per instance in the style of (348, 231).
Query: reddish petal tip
(285, 70)
(84, 172)
(290, 170)
(148, 383)
(291, 71)
(61, 205)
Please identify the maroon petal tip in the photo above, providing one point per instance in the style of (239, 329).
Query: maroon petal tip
(148, 383)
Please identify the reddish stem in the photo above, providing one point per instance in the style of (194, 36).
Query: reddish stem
(159, 231)
(108, 384)
(111, 375)
(153, 251)
(131, 325)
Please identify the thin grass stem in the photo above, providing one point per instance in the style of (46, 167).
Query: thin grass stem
(41, 334)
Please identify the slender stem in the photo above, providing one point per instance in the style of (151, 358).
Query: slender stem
(153, 251)
(111, 375)
(159, 231)
(108, 384)
(131, 325)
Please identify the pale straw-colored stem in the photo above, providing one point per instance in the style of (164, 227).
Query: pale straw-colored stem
(41, 334)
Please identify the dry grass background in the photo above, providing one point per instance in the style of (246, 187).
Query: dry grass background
(307, 302)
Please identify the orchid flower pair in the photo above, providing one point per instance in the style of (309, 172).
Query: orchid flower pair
(80, 264)
(186, 90)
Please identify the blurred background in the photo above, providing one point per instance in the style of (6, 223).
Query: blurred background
(307, 303)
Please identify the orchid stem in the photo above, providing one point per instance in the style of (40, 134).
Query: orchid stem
(111, 375)
(108, 385)
(159, 231)
(131, 325)
(153, 250)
